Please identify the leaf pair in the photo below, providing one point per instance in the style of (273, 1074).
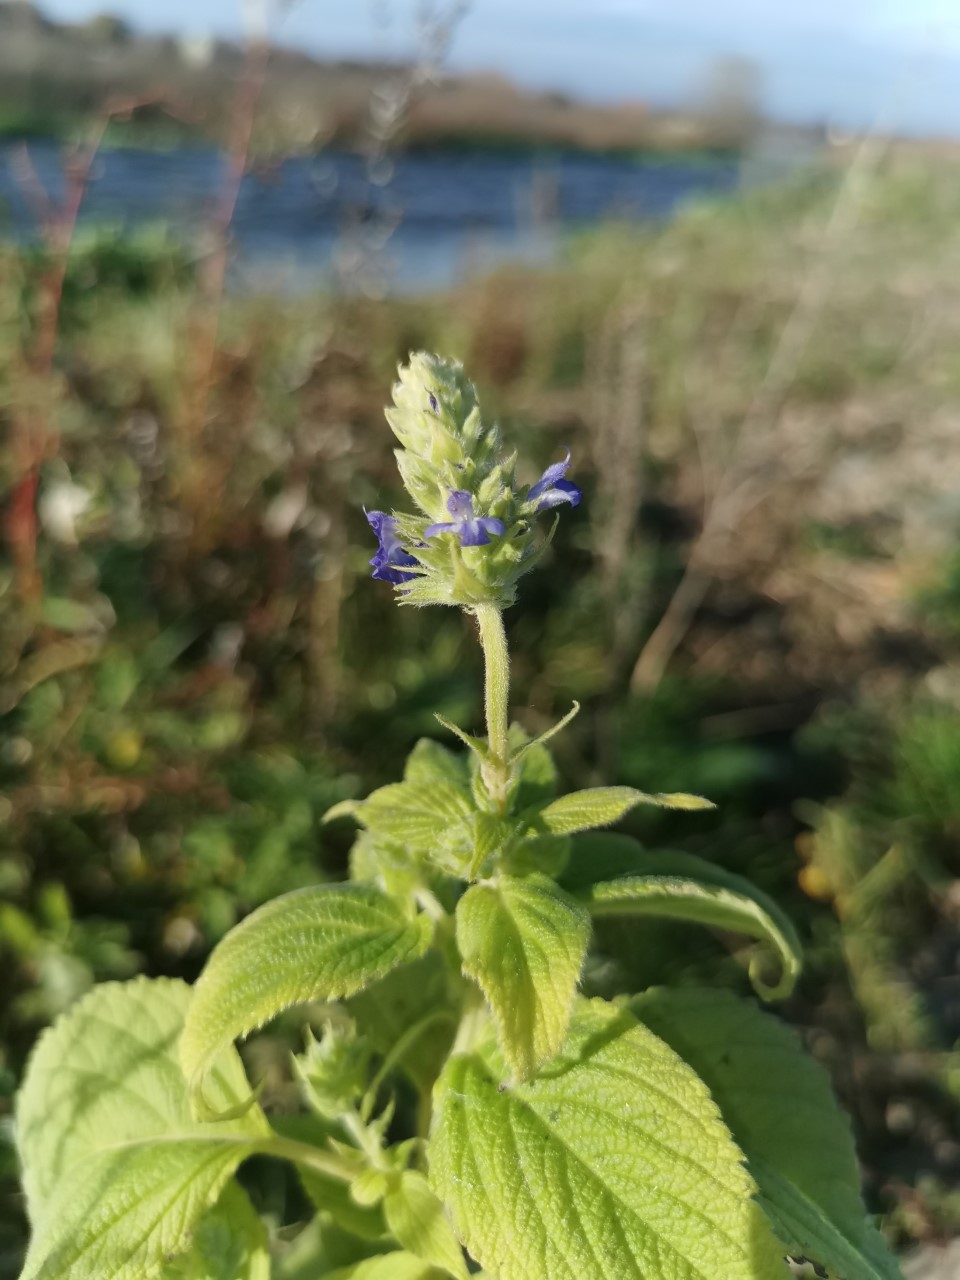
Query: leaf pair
(625, 1158)
(523, 940)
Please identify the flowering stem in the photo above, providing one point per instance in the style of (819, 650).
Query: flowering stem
(493, 638)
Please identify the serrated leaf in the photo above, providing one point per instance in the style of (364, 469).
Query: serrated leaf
(581, 810)
(780, 1108)
(683, 887)
(523, 942)
(601, 806)
(229, 1243)
(417, 1219)
(117, 1172)
(613, 1165)
(429, 762)
(320, 943)
(415, 814)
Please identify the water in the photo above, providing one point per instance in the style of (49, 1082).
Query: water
(419, 222)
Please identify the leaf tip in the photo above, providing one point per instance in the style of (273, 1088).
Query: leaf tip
(683, 800)
(342, 809)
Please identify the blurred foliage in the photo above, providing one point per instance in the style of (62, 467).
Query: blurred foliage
(195, 664)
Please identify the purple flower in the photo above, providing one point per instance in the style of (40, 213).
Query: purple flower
(552, 489)
(473, 531)
(390, 558)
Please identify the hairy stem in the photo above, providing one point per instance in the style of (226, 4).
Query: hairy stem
(493, 638)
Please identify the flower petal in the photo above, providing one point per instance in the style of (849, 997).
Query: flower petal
(432, 530)
(562, 491)
(473, 534)
(552, 476)
(460, 504)
(387, 573)
(390, 557)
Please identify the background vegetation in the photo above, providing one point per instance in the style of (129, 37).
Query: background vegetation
(179, 90)
(759, 600)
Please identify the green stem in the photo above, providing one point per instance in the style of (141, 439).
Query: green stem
(366, 1139)
(327, 1162)
(398, 1052)
(493, 638)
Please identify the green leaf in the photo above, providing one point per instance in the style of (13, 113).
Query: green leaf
(429, 762)
(613, 1165)
(780, 1108)
(600, 855)
(342, 809)
(678, 800)
(601, 806)
(415, 814)
(491, 834)
(683, 887)
(581, 810)
(117, 1172)
(320, 943)
(389, 1266)
(331, 1196)
(536, 775)
(408, 998)
(229, 1243)
(417, 1219)
(523, 942)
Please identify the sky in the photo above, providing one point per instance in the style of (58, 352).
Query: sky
(848, 63)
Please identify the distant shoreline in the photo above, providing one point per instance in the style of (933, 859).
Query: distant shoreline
(149, 137)
(54, 76)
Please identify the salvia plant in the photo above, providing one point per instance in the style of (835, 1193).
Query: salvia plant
(462, 1105)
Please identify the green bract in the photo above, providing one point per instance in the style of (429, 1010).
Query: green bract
(460, 1104)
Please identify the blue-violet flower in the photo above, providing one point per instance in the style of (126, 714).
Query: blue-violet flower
(473, 531)
(551, 489)
(390, 558)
